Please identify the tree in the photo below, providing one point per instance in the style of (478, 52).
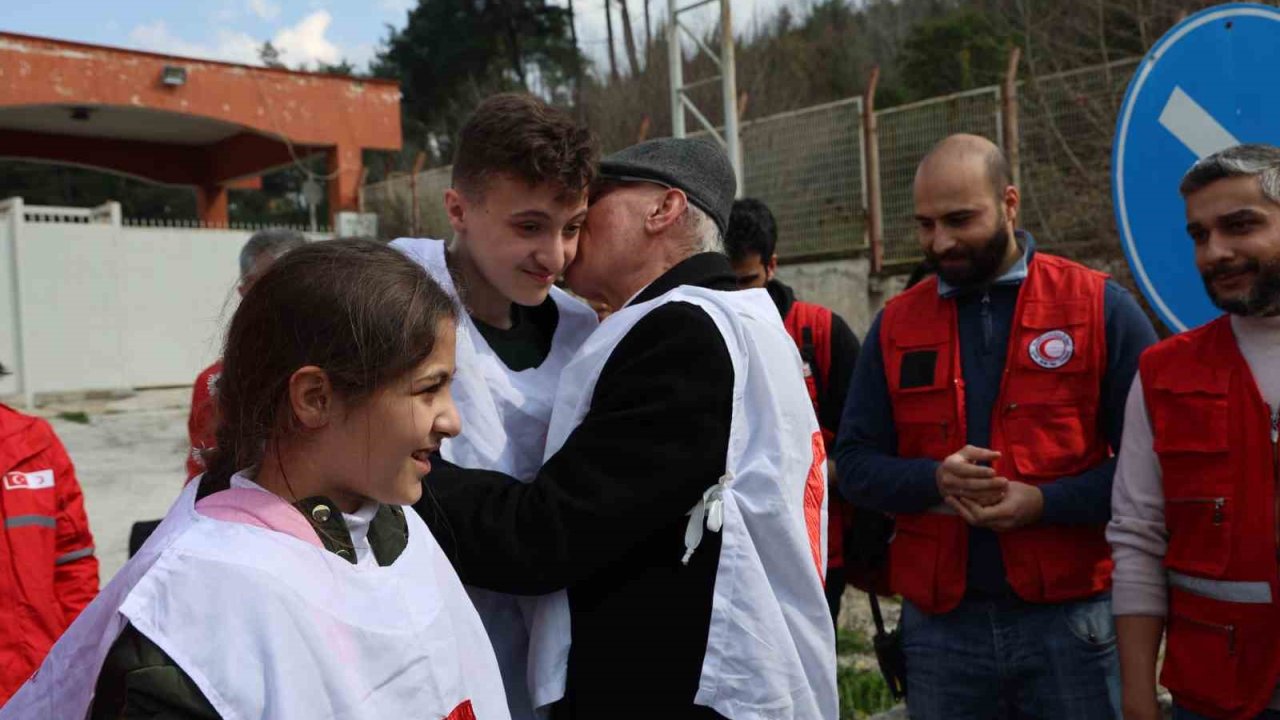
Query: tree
(577, 61)
(69, 186)
(342, 67)
(608, 25)
(648, 33)
(628, 38)
(452, 53)
(958, 51)
(270, 55)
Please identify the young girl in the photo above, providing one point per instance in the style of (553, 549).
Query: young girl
(518, 200)
(288, 581)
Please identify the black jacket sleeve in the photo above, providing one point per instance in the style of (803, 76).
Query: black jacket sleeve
(654, 439)
(139, 681)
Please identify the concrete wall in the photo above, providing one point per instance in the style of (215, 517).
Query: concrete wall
(70, 282)
(8, 338)
(109, 307)
(180, 292)
(845, 286)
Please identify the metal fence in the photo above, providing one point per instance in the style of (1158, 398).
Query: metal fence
(410, 205)
(1066, 126)
(144, 305)
(905, 135)
(809, 166)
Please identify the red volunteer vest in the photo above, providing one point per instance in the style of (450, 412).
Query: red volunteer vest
(1212, 434)
(809, 326)
(1044, 424)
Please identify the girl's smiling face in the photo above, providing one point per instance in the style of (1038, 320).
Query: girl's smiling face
(379, 448)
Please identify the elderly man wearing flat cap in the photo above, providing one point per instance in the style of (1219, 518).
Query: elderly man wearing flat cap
(682, 499)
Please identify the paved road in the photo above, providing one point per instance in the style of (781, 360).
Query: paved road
(130, 465)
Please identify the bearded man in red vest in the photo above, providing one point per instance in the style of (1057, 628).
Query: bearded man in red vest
(984, 415)
(1194, 531)
(828, 349)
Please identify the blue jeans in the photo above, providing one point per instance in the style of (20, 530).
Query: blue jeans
(1009, 659)
(1181, 713)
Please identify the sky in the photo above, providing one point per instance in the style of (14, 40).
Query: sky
(306, 31)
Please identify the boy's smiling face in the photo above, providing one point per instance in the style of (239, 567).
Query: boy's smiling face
(520, 237)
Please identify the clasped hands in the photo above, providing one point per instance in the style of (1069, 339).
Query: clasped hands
(971, 487)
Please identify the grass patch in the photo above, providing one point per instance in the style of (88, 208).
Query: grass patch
(75, 417)
(849, 642)
(862, 693)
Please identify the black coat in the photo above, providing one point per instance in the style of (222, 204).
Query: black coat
(606, 515)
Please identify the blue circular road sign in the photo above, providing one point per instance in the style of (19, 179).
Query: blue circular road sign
(1211, 82)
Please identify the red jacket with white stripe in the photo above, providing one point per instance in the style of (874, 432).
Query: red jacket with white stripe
(49, 573)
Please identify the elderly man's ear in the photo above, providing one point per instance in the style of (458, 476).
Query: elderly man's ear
(667, 213)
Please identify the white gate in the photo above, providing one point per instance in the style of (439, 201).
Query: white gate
(89, 303)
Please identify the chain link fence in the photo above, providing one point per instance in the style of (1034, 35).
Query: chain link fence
(394, 202)
(906, 134)
(390, 199)
(809, 166)
(1066, 124)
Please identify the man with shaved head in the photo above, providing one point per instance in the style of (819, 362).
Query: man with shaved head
(984, 414)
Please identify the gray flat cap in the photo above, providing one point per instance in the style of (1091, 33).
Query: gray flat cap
(698, 167)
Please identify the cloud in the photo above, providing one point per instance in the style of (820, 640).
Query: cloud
(226, 11)
(301, 45)
(306, 41)
(229, 46)
(264, 9)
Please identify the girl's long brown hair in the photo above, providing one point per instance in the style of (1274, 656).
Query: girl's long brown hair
(360, 310)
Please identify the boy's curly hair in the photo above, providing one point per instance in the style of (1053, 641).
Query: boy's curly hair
(522, 136)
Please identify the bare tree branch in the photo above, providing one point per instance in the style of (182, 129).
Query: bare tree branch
(629, 38)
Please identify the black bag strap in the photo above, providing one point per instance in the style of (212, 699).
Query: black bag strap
(809, 352)
(875, 613)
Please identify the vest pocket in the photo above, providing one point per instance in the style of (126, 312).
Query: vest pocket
(1053, 340)
(913, 555)
(1047, 442)
(927, 559)
(1189, 422)
(925, 423)
(1202, 658)
(1041, 571)
(1199, 534)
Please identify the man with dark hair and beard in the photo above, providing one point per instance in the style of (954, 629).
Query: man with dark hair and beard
(983, 414)
(1194, 526)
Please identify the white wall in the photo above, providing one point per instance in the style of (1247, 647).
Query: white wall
(8, 313)
(179, 289)
(71, 306)
(845, 286)
(109, 307)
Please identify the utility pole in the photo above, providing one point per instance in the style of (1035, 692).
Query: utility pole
(724, 61)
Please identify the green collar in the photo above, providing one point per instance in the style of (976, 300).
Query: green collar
(388, 532)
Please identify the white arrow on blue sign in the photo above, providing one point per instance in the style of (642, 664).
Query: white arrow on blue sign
(1211, 82)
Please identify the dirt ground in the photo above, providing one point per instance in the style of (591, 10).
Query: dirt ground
(129, 459)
